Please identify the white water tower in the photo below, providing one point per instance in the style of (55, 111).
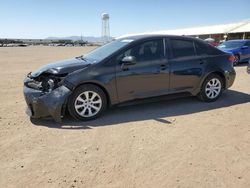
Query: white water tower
(105, 27)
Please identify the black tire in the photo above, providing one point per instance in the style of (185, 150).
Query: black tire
(74, 99)
(237, 59)
(203, 95)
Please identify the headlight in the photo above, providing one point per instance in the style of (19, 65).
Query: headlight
(51, 85)
(45, 83)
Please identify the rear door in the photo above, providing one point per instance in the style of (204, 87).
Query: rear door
(186, 68)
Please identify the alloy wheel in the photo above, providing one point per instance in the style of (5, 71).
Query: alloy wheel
(213, 88)
(88, 104)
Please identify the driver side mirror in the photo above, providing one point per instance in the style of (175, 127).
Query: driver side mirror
(244, 47)
(128, 60)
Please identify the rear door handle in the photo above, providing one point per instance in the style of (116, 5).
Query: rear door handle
(163, 66)
(202, 61)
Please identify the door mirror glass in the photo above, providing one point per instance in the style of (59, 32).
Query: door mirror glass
(129, 60)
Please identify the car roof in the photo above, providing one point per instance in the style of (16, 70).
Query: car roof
(146, 36)
(238, 40)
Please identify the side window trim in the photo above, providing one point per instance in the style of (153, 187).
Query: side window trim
(164, 47)
(195, 48)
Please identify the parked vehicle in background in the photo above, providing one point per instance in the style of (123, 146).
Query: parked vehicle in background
(126, 69)
(212, 42)
(239, 48)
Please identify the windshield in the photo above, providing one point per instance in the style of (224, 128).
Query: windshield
(107, 49)
(231, 44)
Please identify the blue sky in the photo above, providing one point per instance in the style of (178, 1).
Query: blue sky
(43, 18)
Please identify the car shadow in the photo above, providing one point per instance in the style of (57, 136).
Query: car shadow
(242, 64)
(158, 110)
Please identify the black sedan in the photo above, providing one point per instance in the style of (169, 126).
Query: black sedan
(126, 69)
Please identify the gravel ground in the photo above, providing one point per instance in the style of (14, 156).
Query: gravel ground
(177, 143)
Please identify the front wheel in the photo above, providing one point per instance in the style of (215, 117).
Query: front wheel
(211, 88)
(87, 102)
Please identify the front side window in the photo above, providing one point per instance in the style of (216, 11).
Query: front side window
(147, 51)
(182, 48)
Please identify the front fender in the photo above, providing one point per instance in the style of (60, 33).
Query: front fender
(104, 77)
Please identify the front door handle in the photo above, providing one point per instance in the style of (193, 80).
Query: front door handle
(163, 66)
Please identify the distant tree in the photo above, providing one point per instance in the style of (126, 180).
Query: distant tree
(80, 42)
(65, 41)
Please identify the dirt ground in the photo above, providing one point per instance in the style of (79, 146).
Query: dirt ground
(177, 143)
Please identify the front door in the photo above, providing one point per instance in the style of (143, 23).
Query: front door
(148, 76)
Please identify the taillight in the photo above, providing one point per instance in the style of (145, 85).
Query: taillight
(231, 58)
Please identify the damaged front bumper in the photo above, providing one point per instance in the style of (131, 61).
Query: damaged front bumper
(45, 104)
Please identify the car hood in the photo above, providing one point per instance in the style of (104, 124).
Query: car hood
(62, 67)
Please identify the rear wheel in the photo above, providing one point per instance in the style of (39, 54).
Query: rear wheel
(87, 102)
(211, 88)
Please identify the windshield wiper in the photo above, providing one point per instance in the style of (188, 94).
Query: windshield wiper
(81, 57)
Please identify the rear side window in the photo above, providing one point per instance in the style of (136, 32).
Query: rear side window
(182, 48)
(201, 49)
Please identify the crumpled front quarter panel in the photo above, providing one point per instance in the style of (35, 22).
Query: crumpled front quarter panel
(48, 104)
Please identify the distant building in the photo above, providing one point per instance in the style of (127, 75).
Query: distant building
(239, 30)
